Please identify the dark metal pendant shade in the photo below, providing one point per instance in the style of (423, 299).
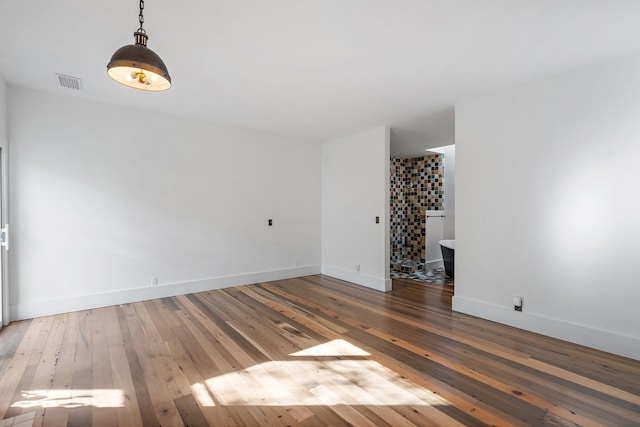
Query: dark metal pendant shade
(137, 66)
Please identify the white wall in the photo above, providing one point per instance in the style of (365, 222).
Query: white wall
(548, 206)
(355, 189)
(449, 192)
(104, 198)
(446, 229)
(434, 232)
(4, 291)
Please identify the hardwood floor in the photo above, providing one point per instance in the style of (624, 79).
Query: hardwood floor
(310, 351)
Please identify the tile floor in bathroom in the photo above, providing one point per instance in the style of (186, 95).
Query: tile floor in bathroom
(436, 276)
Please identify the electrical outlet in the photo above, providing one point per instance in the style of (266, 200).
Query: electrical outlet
(154, 280)
(517, 303)
(357, 267)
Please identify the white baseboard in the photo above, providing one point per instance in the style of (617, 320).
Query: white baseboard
(612, 342)
(433, 264)
(29, 310)
(358, 278)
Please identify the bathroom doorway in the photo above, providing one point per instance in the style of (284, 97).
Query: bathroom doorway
(422, 206)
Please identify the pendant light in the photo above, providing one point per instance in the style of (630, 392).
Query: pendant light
(137, 66)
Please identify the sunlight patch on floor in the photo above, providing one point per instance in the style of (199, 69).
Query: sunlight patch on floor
(319, 382)
(338, 347)
(201, 394)
(66, 398)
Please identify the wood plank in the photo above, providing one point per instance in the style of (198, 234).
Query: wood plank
(213, 413)
(143, 399)
(19, 371)
(10, 339)
(148, 347)
(190, 412)
(129, 414)
(83, 370)
(102, 416)
(40, 388)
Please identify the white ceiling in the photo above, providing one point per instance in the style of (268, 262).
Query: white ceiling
(316, 69)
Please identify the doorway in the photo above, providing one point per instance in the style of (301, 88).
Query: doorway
(422, 214)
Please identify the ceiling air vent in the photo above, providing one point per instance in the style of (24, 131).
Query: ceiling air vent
(69, 82)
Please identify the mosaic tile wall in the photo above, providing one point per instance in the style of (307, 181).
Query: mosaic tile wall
(416, 186)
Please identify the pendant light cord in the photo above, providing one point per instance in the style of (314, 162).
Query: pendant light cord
(141, 17)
